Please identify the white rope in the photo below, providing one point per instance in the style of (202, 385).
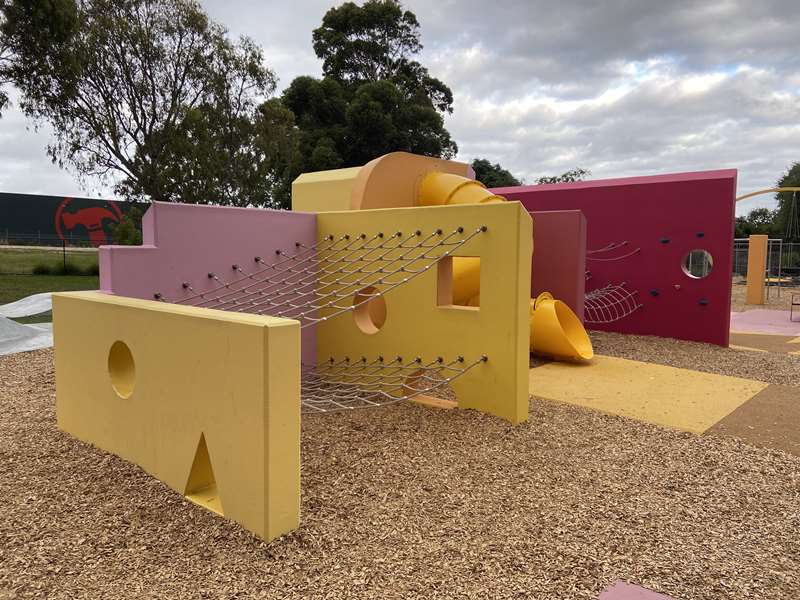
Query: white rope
(609, 304)
(346, 385)
(322, 281)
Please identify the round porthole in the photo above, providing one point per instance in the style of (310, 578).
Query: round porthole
(121, 369)
(697, 264)
(370, 310)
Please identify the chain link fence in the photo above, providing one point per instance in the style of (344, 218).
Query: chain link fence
(783, 263)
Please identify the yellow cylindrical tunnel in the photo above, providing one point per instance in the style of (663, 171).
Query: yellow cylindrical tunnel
(466, 280)
(445, 188)
(556, 331)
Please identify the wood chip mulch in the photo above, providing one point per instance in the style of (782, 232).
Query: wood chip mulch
(407, 502)
(773, 302)
(769, 367)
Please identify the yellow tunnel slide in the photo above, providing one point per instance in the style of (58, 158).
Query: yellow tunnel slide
(555, 329)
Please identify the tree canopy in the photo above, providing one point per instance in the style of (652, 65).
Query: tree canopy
(570, 176)
(155, 95)
(787, 217)
(493, 175)
(759, 221)
(376, 42)
(34, 40)
(373, 98)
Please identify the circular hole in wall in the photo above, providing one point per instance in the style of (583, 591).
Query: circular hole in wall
(697, 264)
(370, 311)
(121, 369)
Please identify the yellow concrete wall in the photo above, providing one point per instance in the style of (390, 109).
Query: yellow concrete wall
(756, 268)
(324, 190)
(231, 378)
(416, 326)
(394, 180)
(391, 180)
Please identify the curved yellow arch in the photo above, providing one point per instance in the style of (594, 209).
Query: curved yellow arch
(769, 191)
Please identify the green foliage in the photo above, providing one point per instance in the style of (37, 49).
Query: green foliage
(34, 40)
(154, 91)
(128, 232)
(373, 98)
(787, 220)
(493, 175)
(59, 268)
(759, 221)
(375, 42)
(570, 176)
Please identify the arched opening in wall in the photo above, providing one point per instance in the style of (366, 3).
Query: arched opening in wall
(697, 264)
(370, 310)
(430, 387)
(121, 369)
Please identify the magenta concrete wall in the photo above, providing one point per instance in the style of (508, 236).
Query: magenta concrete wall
(184, 242)
(665, 216)
(559, 256)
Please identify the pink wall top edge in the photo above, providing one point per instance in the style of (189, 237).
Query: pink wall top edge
(183, 243)
(622, 181)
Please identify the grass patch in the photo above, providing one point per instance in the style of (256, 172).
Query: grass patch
(47, 262)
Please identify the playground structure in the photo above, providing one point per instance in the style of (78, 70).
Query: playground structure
(371, 295)
(387, 282)
(641, 245)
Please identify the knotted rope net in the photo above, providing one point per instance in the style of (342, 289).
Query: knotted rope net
(331, 277)
(337, 275)
(610, 303)
(346, 384)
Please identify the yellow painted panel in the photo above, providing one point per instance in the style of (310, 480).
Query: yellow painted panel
(210, 401)
(678, 398)
(323, 191)
(756, 268)
(417, 326)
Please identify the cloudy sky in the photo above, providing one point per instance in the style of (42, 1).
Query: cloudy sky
(620, 87)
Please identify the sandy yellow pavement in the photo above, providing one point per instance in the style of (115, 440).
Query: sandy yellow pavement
(678, 398)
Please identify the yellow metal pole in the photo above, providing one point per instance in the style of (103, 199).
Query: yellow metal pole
(756, 267)
(769, 191)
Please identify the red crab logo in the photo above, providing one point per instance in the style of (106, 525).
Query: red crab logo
(93, 219)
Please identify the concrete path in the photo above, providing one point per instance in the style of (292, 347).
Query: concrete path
(765, 321)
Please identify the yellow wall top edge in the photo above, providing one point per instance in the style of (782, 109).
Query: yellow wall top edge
(332, 175)
(448, 207)
(179, 309)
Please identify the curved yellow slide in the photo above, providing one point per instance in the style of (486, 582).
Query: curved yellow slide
(555, 330)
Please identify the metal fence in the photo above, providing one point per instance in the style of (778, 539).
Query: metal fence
(783, 263)
(9, 238)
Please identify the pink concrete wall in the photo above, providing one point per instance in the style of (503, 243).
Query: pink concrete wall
(665, 216)
(184, 242)
(559, 256)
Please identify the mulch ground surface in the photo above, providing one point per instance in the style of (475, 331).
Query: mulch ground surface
(407, 502)
(769, 367)
(773, 302)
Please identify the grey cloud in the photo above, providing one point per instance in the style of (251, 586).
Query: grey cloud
(524, 74)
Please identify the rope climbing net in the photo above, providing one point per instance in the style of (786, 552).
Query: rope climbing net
(345, 384)
(610, 303)
(331, 277)
(602, 254)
